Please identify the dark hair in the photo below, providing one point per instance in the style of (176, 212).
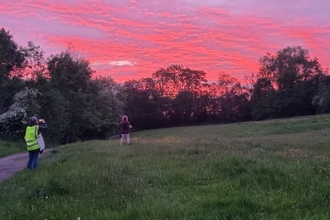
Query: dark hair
(33, 121)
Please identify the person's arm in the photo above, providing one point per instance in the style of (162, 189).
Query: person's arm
(42, 125)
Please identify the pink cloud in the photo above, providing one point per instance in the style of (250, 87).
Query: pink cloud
(133, 39)
(165, 14)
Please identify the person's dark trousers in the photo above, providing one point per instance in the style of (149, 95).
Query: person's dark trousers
(33, 159)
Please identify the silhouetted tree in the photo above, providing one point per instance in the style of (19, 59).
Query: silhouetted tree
(90, 108)
(290, 78)
(10, 58)
(143, 105)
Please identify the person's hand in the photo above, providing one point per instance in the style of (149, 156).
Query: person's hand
(41, 121)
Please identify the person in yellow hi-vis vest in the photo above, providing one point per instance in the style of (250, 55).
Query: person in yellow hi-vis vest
(32, 134)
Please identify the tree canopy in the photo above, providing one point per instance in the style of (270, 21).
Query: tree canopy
(78, 106)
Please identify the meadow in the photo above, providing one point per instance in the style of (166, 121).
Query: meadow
(8, 147)
(275, 169)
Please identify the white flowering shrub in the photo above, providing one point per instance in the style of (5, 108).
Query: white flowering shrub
(14, 121)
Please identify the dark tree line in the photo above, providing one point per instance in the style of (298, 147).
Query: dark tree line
(77, 106)
(286, 84)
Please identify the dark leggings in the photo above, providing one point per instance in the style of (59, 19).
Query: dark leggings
(33, 158)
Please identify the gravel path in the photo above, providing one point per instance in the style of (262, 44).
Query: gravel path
(13, 163)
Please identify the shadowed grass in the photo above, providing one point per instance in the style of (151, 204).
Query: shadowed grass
(11, 147)
(274, 169)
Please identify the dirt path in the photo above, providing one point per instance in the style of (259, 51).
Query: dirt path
(13, 163)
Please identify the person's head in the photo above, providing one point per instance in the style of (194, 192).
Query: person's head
(33, 121)
(125, 118)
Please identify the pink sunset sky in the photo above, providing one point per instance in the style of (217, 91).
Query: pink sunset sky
(131, 39)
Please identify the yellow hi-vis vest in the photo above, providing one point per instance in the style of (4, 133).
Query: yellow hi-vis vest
(31, 137)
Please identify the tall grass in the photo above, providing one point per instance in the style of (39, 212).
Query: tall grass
(8, 147)
(277, 169)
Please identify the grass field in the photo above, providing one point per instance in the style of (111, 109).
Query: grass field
(8, 147)
(277, 169)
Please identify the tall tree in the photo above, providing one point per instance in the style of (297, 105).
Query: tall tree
(288, 67)
(183, 108)
(321, 100)
(10, 58)
(144, 106)
(175, 78)
(293, 76)
(233, 101)
(71, 78)
(106, 107)
(34, 64)
(262, 99)
(175, 82)
(10, 55)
